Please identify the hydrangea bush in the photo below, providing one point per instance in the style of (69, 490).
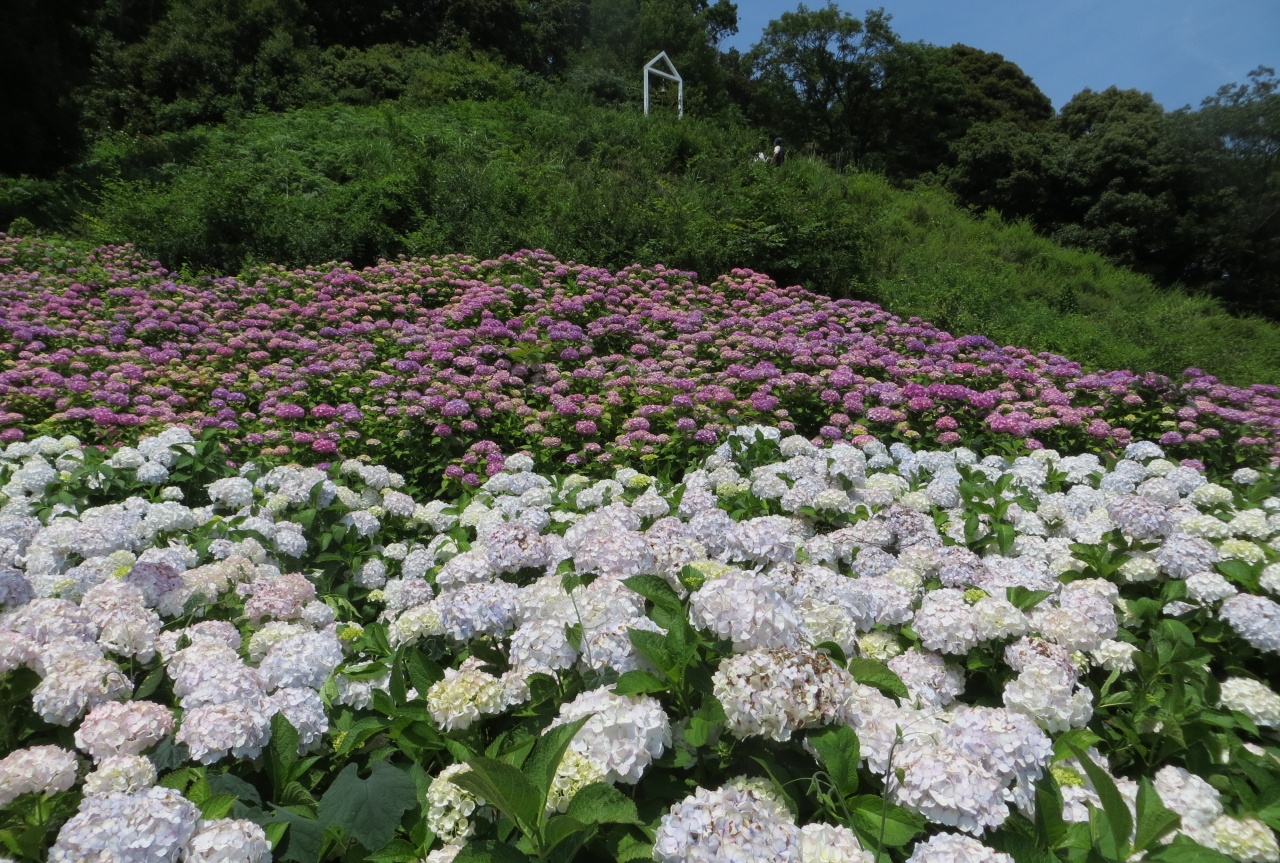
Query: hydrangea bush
(804, 653)
(438, 366)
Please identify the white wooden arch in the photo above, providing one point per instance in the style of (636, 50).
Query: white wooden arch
(671, 75)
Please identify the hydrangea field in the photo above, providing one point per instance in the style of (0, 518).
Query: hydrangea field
(519, 560)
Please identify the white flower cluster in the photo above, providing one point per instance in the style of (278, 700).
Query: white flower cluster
(870, 548)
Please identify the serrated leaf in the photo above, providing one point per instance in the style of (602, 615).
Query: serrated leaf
(1119, 819)
(423, 671)
(653, 647)
(563, 836)
(304, 837)
(870, 813)
(639, 683)
(1075, 738)
(368, 810)
(838, 748)
(877, 674)
(657, 591)
(1050, 828)
(149, 684)
(283, 753)
(601, 803)
(1155, 821)
(490, 852)
(506, 789)
(1183, 850)
(226, 783)
(1026, 599)
(395, 851)
(540, 769)
(217, 805)
(169, 755)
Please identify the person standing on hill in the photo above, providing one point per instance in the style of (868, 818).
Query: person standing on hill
(777, 153)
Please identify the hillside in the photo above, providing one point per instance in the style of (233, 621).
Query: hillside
(613, 187)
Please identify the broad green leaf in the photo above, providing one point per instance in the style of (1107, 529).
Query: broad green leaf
(1022, 849)
(877, 674)
(1154, 820)
(638, 683)
(368, 810)
(505, 788)
(1050, 828)
(545, 758)
(781, 780)
(490, 852)
(653, 647)
(835, 651)
(395, 851)
(838, 747)
(1026, 599)
(283, 752)
(703, 723)
(217, 805)
(149, 684)
(304, 838)
(1183, 850)
(1076, 738)
(226, 783)
(900, 826)
(629, 846)
(601, 803)
(563, 836)
(1119, 819)
(423, 671)
(169, 755)
(657, 591)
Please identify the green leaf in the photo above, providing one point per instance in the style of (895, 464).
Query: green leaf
(838, 747)
(217, 805)
(283, 753)
(1119, 819)
(1076, 738)
(1049, 826)
(639, 682)
(304, 838)
(490, 852)
(1026, 599)
(653, 647)
(545, 758)
(169, 755)
(657, 591)
(226, 783)
(1239, 572)
(368, 810)
(149, 684)
(781, 780)
(1183, 850)
(505, 788)
(703, 723)
(395, 851)
(900, 826)
(1154, 820)
(835, 651)
(563, 836)
(877, 674)
(601, 803)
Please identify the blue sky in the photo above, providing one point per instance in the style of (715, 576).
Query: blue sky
(1178, 50)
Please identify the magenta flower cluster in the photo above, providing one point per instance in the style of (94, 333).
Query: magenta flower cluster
(572, 363)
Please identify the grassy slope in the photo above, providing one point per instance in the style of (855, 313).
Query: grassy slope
(612, 187)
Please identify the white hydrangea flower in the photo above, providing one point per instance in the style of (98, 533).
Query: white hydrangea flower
(450, 807)
(727, 824)
(955, 848)
(229, 840)
(827, 843)
(36, 770)
(1193, 798)
(463, 696)
(214, 731)
(774, 693)
(948, 787)
(302, 660)
(154, 826)
(1245, 840)
(305, 711)
(622, 737)
(1047, 693)
(1209, 587)
(415, 623)
(930, 680)
(574, 772)
(120, 774)
(1115, 655)
(1256, 619)
(1253, 698)
(746, 609)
